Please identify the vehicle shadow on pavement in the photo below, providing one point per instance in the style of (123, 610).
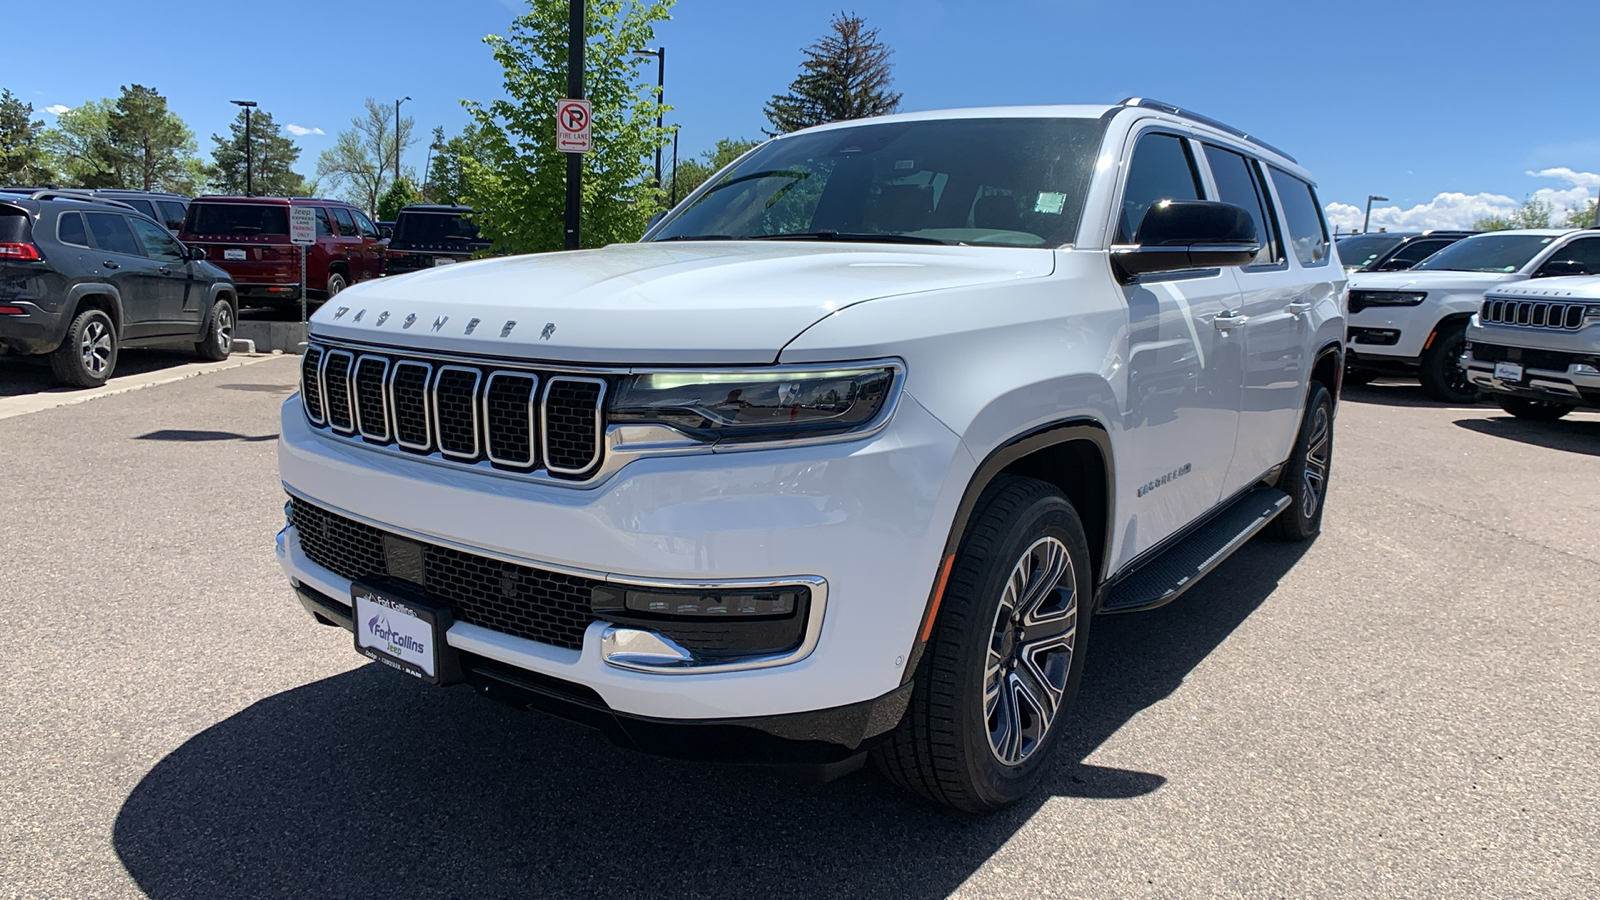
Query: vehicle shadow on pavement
(1398, 394)
(20, 375)
(1571, 435)
(180, 434)
(369, 784)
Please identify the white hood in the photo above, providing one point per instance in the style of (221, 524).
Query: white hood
(710, 302)
(1440, 280)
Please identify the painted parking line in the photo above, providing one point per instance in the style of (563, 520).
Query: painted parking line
(31, 403)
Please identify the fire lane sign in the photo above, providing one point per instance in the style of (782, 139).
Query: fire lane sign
(573, 134)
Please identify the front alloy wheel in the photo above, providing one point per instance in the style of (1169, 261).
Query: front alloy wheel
(1030, 651)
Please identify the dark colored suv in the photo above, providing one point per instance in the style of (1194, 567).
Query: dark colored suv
(1393, 251)
(427, 236)
(249, 237)
(168, 209)
(82, 278)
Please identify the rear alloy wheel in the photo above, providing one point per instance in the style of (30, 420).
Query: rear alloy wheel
(1531, 409)
(998, 676)
(1305, 475)
(218, 341)
(88, 354)
(335, 283)
(1442, 376)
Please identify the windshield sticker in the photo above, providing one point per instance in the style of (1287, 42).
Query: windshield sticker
(905, 164)
(1050, 202)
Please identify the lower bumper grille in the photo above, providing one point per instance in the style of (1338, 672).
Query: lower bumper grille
(548, 607)
(1551, 360)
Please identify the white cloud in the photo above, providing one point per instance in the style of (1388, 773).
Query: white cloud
(301, 130)
(1456, 210)
(56, 109)
(1579, 179)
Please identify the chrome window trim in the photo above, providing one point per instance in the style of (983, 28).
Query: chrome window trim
(472, 406)
(533, 432)
(427, 412)
(808, 642)
(321, 417)
(599, 425)
(322, 388)
(383, 397)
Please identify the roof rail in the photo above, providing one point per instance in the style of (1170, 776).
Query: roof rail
(1168, 108)
(80, 196)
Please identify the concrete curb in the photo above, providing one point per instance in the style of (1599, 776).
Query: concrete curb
(269, 336)
(32, 403)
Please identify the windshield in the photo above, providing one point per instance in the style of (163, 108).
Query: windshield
(433, 228)
(237, 218)
(1358, 252)
(1488, 253)
(1002, 182)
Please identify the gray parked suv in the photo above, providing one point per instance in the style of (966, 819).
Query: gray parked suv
(82, 278)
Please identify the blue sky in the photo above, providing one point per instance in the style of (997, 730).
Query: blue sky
(1444, 107)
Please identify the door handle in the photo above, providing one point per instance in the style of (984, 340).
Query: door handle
(1227, 320)
(111, 265)
(1296, 308)
(165, 271)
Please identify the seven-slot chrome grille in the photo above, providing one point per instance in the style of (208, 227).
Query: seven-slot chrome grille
(1534, 314)
(457, 409)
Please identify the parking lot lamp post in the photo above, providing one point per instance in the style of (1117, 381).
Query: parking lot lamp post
(660, 53)
(397, 138)
(1368, 217)
(674, 167)
(249, 180)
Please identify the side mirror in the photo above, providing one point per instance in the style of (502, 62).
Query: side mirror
(656, 218)
(1397, 265)
(1190, 234)
(195, 253)
(385, 232)
(1556, 268)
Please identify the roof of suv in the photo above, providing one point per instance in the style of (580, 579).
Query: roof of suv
(40, 198)
(274, 201)
(435, 208)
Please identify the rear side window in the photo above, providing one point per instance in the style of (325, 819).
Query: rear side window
(433, 228)
(138, 203)
(111, 233)
(1162, 169)
(1307, 231)
(171, 213)
(1239, 182)
(324, 227)
(14, 225)
(347, 225)
(70, 230)
(238, 218)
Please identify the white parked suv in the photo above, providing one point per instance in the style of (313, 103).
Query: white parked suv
(1415, 322)
(1534, 347)
(844, 455)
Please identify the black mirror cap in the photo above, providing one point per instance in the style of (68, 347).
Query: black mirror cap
(196, 253)
(1556, 268)
(1190, 234)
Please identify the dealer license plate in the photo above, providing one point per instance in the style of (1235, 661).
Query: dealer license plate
(233, 254)
(442, 260)
(1506, 371)
(401, 633)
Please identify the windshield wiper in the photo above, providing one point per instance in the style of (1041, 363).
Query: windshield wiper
(857, 237)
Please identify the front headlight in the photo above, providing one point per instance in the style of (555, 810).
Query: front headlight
(757, 405)
(1360, 300)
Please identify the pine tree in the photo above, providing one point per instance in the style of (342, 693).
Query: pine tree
(155, 145)
(845, 75)
(21, 158)
(272, 156)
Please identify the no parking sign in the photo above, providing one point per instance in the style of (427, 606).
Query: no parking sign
(573, 134)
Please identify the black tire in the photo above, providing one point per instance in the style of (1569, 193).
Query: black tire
(949, 746)
(88, 354)
(217, 344)
(336, 283)
(1305, 475)
(1442, 377)
(1359, 377)
(1531, 409)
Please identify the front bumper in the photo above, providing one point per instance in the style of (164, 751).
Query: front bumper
(1565, 368)
(869, 518)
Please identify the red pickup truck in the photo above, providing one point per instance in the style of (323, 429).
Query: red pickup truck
(249, 237)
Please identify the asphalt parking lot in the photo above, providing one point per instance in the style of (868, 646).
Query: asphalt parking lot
(1407, 707)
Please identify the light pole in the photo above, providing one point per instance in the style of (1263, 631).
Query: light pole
(660, 53)
(249, 175)
(397, 138)
(576, 35)
(1368, 217)
(674, 167)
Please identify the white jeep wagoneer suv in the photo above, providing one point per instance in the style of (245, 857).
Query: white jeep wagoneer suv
(844, 455)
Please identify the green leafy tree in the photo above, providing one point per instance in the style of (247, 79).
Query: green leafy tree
(691, 173)
(1531, 214)
(272, 157)
(516, 178)
(399, 195)
(1582, 215)
(155, 146)
(360, 164)
(22, 159)
(447, 176)
(845, 75)
(80, 149)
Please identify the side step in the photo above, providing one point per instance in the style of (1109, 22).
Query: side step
(1174, 570)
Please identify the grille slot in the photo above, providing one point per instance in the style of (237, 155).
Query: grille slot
(372, 412)
(548, 607)
(336, 390)
(571, 425)
(408, 394)
(508, 418)
(455, 392)
(1565, 316)
(311, 385)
